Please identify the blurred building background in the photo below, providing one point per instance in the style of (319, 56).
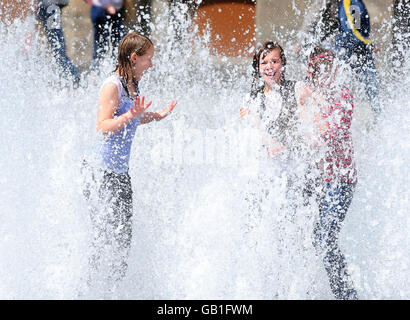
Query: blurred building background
(234, 23)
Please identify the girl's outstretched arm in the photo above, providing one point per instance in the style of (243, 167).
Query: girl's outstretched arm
(274, 147)
(246, 113)
(147, 117)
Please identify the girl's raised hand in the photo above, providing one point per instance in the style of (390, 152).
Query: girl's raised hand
(243, 112)
(171, 106)
(139, 107)
(305, 95)
(168, 109)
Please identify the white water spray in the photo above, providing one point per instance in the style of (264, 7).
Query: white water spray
(195, 232)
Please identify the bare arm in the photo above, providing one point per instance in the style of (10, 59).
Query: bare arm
(147, 117)
(246, 113)
(273, 146)
(108, 103)
(302, 96)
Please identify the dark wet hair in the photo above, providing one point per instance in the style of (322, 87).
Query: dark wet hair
(132, 42)
(284, 127)
(257, 85)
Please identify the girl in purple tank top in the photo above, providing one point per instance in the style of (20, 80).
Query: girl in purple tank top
(120, 110)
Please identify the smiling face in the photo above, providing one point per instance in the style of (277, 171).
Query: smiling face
(141, 63)
(270, 66)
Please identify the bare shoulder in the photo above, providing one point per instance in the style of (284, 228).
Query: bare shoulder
(108, 98)
(109, 90)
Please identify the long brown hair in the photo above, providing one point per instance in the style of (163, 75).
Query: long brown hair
(132, 42)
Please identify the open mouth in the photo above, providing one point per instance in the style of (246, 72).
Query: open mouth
(270, 73)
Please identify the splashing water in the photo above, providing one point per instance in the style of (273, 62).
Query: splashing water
(195, 233)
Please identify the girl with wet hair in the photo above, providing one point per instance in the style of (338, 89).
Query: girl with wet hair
(274, 96)
(121, 109)
(327, 106)
(257, 84)
(271, 106)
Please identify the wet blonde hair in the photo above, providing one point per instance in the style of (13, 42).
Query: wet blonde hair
(132, 42)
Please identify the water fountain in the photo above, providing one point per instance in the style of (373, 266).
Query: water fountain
(194, 234)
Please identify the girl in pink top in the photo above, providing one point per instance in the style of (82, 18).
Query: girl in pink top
(327, 108)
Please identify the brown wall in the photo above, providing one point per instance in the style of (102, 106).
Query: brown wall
(232, 24)
(10, 11)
